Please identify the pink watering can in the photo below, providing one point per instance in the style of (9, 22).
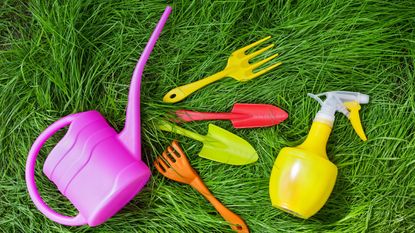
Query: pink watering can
(96, 168)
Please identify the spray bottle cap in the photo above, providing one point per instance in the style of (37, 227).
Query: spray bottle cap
(345, 102)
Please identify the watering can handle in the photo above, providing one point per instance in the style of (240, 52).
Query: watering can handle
(30, 175)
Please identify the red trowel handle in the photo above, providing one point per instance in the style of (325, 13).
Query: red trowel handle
(241, 116)
(187, 115)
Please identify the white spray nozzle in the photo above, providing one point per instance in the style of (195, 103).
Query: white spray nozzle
(343, 96)
(346, 96)
(345, 102)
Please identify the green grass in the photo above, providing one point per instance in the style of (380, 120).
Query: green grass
(62, 57)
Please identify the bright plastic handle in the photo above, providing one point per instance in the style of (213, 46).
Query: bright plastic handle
(187, 115)
(30, 175)
(131, 134)
(176, 129)
(237, 223)
(179, 93)
(354, 117)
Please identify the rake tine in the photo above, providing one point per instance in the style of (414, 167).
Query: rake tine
(159, 166)
(177, 148)
(265, 70)
(163, 163)
(258, 64)
(172, 152)
(167, 158)
(256, 53)
(242, 50)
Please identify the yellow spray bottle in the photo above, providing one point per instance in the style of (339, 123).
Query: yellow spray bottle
(302, 177)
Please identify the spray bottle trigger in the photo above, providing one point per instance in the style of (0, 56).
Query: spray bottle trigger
(354, 107)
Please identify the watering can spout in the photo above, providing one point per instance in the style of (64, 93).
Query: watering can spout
(130, 136)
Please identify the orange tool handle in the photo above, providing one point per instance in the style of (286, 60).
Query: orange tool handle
(237, 223)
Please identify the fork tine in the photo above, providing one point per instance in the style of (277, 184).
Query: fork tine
(242, 50)
(256, 53)
(265, 70)
(258, 64)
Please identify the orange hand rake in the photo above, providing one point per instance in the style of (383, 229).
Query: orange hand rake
(174, 165)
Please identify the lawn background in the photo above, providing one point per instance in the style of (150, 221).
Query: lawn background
(62, 57)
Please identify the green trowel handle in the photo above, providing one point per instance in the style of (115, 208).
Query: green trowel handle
(163, 125)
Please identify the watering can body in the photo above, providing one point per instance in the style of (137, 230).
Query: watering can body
(94, 169)
(97, 169)
(91, 166)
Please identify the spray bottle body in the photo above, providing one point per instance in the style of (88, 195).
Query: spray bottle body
(302, 177)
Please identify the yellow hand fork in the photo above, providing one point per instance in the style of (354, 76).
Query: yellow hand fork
(238, 67)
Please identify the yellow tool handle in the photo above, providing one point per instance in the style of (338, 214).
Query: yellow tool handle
(179, 93)
(163, 125)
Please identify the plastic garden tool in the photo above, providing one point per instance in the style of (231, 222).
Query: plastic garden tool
(241, 116)
(96, 168)
(218, 145)
(174, 165)
(238, 67)
(302, 177)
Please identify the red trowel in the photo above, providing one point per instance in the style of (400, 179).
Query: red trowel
(241, 116)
